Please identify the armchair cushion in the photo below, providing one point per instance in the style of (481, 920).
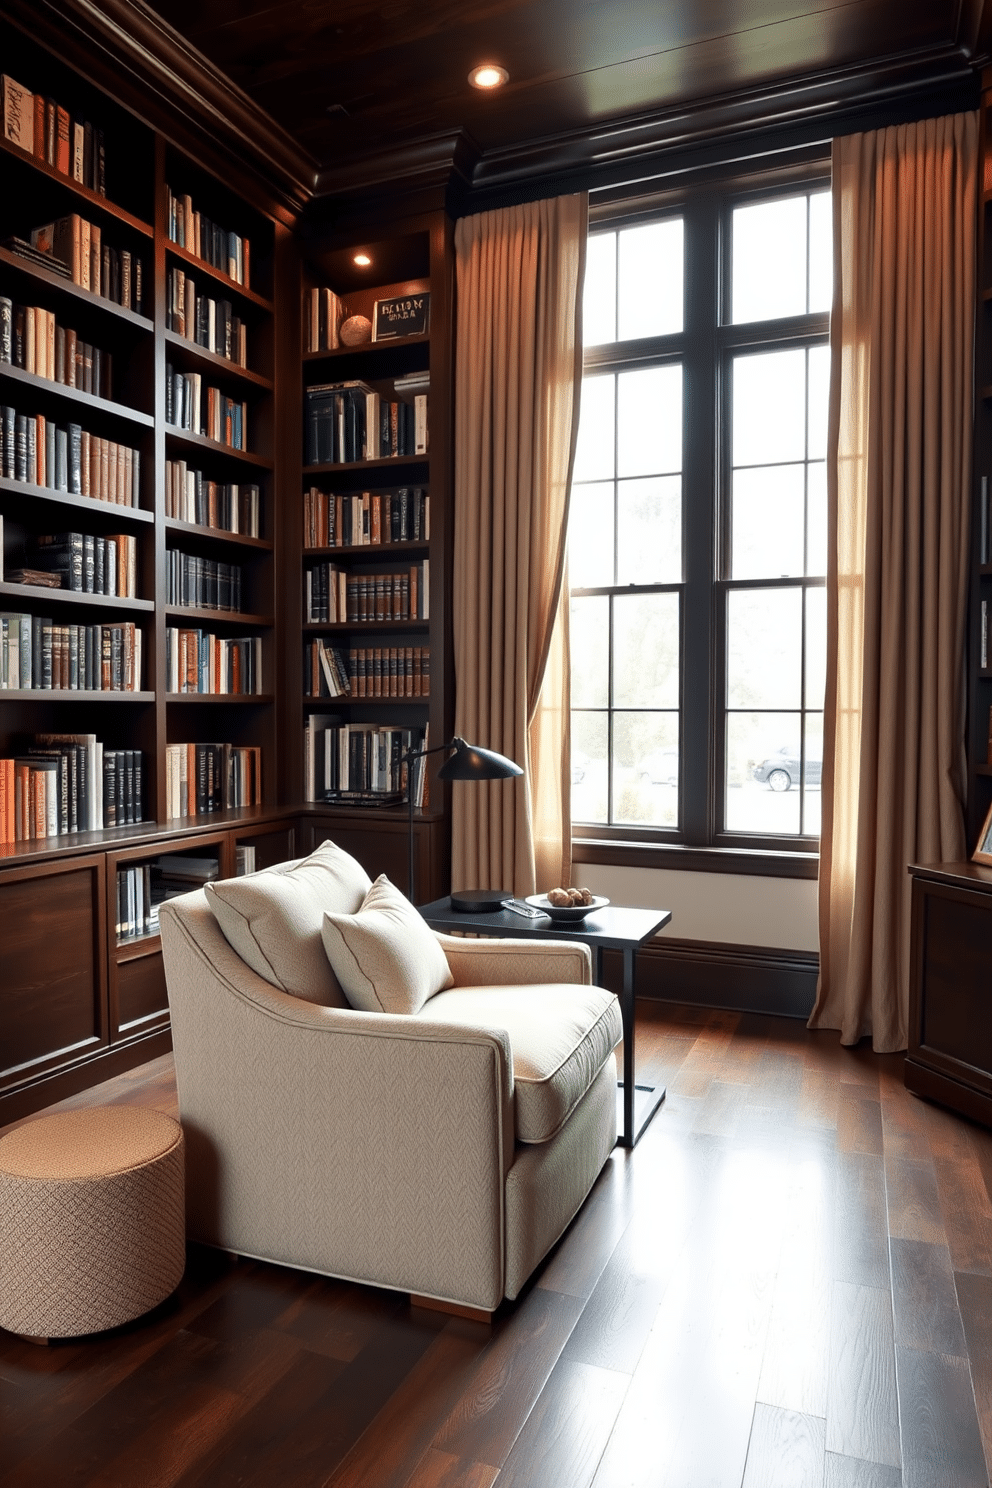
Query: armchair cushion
(273, 919)
(561, 1035)
(385, 957)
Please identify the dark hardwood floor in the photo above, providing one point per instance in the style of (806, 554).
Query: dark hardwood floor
(787, 1284)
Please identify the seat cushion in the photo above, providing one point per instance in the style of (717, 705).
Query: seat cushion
(385, 956)
(273, 919)
(560, 1036)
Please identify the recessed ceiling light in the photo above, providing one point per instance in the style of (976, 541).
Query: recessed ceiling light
(488, 76)
(362, 260)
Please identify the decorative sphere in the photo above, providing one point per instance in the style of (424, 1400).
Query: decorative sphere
(355, 331)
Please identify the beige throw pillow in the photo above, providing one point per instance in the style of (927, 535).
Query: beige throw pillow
(273, 919)
(386, 957)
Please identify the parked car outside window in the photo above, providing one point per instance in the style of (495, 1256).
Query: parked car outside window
(781, 770)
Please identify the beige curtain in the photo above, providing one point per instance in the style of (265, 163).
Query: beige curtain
(518, 371)
(898, 478)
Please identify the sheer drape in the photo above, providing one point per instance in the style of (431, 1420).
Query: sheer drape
(898, 473)
(517, 377)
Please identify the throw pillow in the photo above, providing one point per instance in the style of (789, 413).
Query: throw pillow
(385, 956)
(273, 919)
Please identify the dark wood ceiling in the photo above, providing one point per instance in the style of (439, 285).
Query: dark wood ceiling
(348, 77)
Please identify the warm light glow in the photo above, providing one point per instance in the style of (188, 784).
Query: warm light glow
(363, 260)
(488, 76)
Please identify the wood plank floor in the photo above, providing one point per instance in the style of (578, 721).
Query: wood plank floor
(787, 1284)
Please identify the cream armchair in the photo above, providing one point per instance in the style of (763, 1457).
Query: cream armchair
(440, 1153)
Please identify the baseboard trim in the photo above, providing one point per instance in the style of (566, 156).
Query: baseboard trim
(739, 978)
(104, 1064)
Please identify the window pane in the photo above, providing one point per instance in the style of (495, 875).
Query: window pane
(645, 651)
(764, 648)
(768, 522)
(816, 647)
(769, 411)
(646, 768)
(590, 647)
(816, 521)
(819, 395)
(814, 765)
(594, 447)
(821, 252)
(762, 787)
(649, 414)
(599, 297)
(589, 766)
(649, 531)
(650, 280)
(590, 536)
(769, 260)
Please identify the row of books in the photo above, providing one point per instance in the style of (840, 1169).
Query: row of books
(203, 583)
(142, 888)
(45, 129)
(365, 518)
(350, 421)
(37, 654)
(206, 322)
(32, 339)
(68, 783)
(221, 249)
(202, 778)
(367, 671)
(86, 564)
(113, 274)
(35, 450)
(333, 596)
(196, 661)
(361, 760)
(226, 506)
(322, 320)
(224, 419)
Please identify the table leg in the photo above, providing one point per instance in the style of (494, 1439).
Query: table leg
(651, 1095)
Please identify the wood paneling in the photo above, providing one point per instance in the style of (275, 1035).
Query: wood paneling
(735, 1306)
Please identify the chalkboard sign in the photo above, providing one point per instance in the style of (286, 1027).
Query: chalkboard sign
(407, 315)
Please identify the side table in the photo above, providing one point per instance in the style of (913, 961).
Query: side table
(613, 928)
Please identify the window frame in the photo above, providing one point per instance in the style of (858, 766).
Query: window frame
(705, 347)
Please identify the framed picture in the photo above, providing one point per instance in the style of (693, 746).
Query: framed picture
(983, 852)
(406, 315)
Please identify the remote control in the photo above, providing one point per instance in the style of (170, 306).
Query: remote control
(527, 910)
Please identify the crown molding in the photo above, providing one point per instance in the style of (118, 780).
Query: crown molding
(420, 166)
(129, 50)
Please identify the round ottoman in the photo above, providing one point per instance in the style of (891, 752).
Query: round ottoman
(92, 1227)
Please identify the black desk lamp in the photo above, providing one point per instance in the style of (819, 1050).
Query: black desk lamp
(468, 762)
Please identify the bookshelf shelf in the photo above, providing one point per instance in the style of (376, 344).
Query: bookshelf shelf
(229, 285)
(16, 264)
(216, 617)
(356, 627)
(258, 698)
(369, 551)
(372, 349)
(356, 467)
(48, 388)
(79, 194)
(218, 535)
(68, 499)
(186, 438)
(73, 695)
(38, 595)
(199, 355)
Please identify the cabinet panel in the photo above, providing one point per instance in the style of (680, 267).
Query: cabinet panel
(141, 994)
(52, 966)
(382, 846)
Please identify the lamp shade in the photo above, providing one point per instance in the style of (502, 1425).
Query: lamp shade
(469, 762)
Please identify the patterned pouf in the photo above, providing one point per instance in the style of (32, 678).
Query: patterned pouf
(91, 1220)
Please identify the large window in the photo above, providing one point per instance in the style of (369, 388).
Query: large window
(697, 533)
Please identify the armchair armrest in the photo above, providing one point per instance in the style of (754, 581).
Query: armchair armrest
(504, 963)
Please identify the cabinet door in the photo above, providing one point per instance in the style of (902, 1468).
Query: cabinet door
(382, 845)
(53, 967)
(951, 1029)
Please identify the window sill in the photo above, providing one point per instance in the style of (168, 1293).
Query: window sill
(675, 857)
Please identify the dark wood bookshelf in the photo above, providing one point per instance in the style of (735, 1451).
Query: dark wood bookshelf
(213, 446)
(216, 617)
(355, 467)
(370, 551)
(74, 695)
(320, 627)
(224, 365)
(30, 492)
(48, 388)
(229, 285)
(218, 534)
(40, 596)
(83, 199)
(373, 349)
(51, 280)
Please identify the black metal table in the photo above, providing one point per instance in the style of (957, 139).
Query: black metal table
(613, 928)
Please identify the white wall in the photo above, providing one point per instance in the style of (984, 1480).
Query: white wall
(737, 909)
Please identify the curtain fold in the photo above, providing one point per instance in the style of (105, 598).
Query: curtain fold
(898, 491)
(518, 369)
